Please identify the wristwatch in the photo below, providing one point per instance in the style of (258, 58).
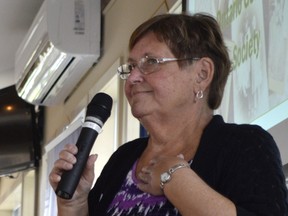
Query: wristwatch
(167, 176)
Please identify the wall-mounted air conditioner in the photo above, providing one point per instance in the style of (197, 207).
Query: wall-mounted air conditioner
(62, 44)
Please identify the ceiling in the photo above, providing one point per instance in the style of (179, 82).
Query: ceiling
(16, 17)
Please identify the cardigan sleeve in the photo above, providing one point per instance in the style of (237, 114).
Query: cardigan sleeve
(256, 183)
(242, 162)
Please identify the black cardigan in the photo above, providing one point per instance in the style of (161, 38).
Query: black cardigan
(242, 162)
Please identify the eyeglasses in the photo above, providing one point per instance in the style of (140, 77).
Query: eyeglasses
(146, 65)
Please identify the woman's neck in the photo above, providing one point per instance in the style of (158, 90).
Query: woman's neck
(177, 135)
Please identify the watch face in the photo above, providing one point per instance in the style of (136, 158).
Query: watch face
(165, 177)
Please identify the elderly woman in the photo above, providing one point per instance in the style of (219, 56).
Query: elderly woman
(192, 163)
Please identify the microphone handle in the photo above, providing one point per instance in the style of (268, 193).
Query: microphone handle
(70, 179)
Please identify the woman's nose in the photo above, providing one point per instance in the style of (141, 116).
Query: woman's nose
(135, 76)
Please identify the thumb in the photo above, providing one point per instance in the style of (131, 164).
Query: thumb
(89, 169)
(91, 161)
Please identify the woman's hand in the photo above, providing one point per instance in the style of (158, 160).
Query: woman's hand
(150, 175)
(186, 190)
(65, 162)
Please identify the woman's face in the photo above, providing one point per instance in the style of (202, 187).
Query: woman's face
(166, 92)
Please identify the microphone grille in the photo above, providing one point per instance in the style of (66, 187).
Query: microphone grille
(100, 106)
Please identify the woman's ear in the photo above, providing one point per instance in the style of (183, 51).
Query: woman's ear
(205, 73)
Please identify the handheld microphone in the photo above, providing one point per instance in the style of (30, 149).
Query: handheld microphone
(98, 111)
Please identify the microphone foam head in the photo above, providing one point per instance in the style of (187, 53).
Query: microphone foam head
(100, 106)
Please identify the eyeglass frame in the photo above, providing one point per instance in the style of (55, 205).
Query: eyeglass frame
(125, 74)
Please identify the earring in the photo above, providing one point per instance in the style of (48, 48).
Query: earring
(199, 94)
